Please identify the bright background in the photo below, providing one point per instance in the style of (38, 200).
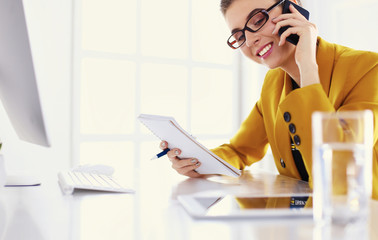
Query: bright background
(101, 63)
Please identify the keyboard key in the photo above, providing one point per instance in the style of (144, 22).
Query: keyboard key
(71, 180)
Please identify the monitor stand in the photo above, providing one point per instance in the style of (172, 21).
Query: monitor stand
(16, 180)
(3, 175)
(21, 181)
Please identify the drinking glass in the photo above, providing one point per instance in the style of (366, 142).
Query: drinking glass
(342, 165)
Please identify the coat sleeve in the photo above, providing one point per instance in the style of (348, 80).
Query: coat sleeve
(250, 143)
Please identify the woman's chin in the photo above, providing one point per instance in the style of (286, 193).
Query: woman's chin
(270, 65)
(269, 62)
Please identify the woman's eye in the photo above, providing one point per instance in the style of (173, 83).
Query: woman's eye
(258, 22)
(241, 38)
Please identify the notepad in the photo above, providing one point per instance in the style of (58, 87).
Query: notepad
(167, 129)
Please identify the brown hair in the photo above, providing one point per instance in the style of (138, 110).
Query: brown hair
(225, 4)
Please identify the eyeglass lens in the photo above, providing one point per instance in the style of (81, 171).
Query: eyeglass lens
(255, 23)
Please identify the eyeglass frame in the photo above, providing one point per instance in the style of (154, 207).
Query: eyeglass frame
(266, 14)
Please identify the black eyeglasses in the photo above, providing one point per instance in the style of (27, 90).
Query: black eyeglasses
(253, 24)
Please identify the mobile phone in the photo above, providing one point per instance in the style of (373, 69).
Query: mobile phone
(293, 38)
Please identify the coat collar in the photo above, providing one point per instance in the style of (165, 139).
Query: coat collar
(325, 57)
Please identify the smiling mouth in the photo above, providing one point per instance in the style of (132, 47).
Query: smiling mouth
(265, 50)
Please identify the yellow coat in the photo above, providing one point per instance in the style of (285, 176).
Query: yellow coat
(348, 81)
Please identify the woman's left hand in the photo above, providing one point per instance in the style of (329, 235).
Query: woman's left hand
(305, 53)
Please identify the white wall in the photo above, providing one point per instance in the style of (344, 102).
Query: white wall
(347, 22)
(49, 23)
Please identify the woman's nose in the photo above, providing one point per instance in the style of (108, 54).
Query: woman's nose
(251, 38)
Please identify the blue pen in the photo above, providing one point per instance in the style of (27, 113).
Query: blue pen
(164, 152)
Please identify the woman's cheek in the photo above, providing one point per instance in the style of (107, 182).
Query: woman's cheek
(246, 51)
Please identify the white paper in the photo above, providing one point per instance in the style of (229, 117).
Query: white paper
(167, 129)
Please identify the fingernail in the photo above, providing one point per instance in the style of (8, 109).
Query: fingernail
(193, 160)
(197, 164)
(177, 152)
(163, 144)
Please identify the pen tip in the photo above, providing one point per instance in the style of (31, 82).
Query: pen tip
(153, 158)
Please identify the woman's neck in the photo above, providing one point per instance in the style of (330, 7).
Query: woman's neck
(291, 68)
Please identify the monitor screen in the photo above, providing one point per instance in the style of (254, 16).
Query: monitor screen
(18, 85)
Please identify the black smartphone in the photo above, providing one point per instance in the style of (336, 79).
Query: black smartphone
(293, 38)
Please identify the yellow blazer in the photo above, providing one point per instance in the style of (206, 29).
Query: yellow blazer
(348, 81)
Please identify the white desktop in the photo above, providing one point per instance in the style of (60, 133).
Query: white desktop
(153, 212)
(18, 83)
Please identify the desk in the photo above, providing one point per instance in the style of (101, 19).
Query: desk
(43, 213)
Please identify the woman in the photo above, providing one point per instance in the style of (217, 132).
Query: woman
(313, 75)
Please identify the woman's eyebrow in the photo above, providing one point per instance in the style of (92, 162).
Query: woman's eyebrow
(253, 12)
(235, 30)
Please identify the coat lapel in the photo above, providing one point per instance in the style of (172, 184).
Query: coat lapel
(325, 58)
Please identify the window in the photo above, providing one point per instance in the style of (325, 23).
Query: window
(165, 57)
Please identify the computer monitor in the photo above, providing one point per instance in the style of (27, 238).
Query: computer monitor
(18, 84)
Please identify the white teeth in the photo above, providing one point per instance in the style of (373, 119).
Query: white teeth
(265, 49)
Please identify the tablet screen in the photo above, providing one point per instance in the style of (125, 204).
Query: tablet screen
(234, 206)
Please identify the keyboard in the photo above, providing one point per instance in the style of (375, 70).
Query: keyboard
(71, 180)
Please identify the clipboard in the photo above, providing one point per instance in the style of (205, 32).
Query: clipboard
(166, 128)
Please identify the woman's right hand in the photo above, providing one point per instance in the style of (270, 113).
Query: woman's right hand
(185, 166)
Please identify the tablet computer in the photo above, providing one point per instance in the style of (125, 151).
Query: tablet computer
(233, 206)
